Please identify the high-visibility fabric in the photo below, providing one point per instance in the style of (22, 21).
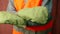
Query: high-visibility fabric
(19, 4)
(16, 32)
(33, 3)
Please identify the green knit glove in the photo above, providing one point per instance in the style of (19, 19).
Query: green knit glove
(10, 18)
(36, 14)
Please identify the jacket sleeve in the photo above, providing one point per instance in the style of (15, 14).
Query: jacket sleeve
(11, 7)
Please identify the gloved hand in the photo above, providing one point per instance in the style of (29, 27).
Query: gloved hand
(36, 14)
(10, 18)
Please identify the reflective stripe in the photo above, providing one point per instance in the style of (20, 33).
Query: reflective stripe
(11, 7)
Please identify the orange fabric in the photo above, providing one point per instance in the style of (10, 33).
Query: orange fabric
(16, 32)
(19, 4)
(33, 3)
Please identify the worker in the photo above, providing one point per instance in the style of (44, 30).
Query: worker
(13, 7)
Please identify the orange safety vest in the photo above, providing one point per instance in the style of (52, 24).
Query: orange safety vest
(19, 4)
(16, 32)
(33, 3)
